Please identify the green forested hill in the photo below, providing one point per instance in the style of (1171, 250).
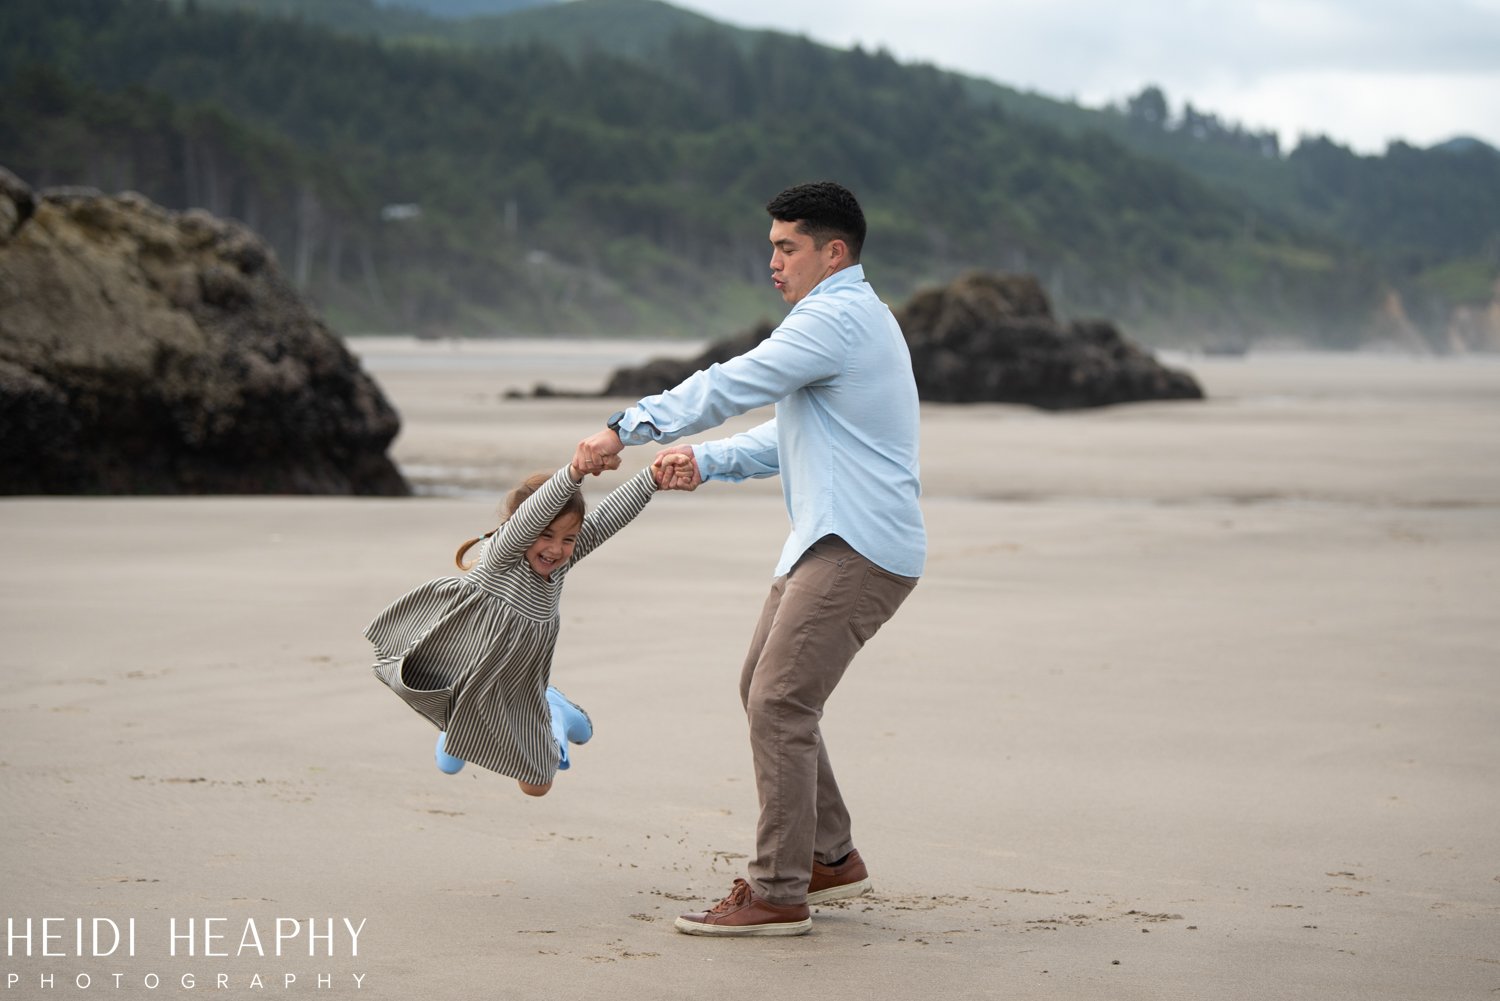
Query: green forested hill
(517, 173)
(1429, 218)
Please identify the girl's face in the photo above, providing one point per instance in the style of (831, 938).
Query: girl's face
(554, 547)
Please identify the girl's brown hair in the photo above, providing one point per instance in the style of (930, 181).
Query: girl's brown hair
(513, 500)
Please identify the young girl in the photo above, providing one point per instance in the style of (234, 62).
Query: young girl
(473, 653)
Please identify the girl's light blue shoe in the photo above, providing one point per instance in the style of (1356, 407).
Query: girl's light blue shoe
(445, 761)
(570, 724)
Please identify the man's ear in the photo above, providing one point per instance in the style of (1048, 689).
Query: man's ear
(838, 252)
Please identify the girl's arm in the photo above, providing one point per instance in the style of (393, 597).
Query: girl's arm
(614, 512)
(536, 512)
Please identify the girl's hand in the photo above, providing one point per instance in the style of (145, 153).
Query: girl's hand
(675, 468)
(599, 465)
(594, 453)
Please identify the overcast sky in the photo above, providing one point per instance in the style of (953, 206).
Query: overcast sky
(1363, 72)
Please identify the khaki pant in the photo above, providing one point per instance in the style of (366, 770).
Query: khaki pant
(815, 620)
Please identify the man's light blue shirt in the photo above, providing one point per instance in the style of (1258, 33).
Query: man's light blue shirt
(846, 432)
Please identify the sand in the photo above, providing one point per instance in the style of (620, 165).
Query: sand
(1196, 700)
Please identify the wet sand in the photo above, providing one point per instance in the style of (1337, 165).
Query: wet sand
(1196, 700)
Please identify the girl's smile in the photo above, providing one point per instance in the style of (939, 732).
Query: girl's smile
(554, 547)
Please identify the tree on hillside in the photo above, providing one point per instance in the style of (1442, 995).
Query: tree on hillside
(1149, 108)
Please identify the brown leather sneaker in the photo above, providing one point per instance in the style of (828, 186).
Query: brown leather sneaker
(837, 882)
(743, 913)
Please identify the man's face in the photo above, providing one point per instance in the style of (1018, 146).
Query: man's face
(796, 265)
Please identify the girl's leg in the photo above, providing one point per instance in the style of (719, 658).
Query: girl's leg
(570, 724)
(445, 761)
(532, 790)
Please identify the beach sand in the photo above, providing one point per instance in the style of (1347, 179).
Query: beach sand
(1195, 700)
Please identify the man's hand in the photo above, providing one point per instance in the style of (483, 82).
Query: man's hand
(594, 453)
(675, 468)
(579, 472)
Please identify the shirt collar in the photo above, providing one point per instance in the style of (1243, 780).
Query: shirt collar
(844, 276)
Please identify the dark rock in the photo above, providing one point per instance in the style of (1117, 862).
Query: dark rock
(17, 203)
(149, 351)
(984, 338)
(992, 338)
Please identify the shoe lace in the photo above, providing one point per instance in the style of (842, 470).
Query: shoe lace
(738, 896)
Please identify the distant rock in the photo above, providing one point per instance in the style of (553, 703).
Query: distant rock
(984, 338)
(150, 351)
(1391, 329)
(992, 338)
(1476, 329)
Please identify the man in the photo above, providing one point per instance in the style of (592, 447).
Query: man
(844, 441)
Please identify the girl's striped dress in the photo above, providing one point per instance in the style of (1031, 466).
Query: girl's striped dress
(473, 653)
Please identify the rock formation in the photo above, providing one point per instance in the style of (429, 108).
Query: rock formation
(1476, 328)
(984, 338)
(150, 351)
(992, 338)
(1391, 328)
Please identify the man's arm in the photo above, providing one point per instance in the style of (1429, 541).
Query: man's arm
(750, 455)
(806, 349)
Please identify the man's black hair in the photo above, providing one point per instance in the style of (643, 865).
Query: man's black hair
(824, 210)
